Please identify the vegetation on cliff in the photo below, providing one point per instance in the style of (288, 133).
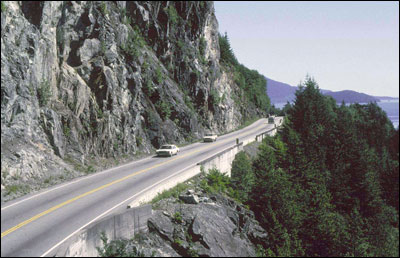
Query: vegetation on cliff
(98, 83)
(251, 82)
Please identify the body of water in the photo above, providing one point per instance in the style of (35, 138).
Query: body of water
(391, 107)
(392, 110)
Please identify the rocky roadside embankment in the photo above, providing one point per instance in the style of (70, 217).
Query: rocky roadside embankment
(195, 222)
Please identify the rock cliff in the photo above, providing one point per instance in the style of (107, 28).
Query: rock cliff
(82, 81)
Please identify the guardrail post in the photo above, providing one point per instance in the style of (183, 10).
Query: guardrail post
(237, 140)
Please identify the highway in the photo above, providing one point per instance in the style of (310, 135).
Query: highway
(34, 225)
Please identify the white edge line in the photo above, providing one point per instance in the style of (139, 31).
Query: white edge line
(75, 181)
(104, 213)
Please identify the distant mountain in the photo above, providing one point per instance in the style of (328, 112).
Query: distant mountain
(349, 96)
(280, 92)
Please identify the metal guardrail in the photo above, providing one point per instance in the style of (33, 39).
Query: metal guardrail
(236, 145)
(266, 132)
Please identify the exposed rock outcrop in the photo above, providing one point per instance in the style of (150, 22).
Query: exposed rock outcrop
(83, 80)
(215, 227)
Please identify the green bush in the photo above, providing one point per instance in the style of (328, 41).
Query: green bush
(148, 88)
(174, 192)
(134, 42)
(139, 141)
(202, 46)
(103, 7)
(172, 14)
(215, 98)
(3, 7)
(164, 109)
(117, 248)
(90, 169)
(145, 66)
(216, 181)
(159, 75)
(44, 93)
(189, 103)
(177, 217)
(67, 131)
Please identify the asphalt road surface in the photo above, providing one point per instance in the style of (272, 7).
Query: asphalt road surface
(35, 224)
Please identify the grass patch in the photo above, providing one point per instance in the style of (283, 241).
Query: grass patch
(173, 192)
(117, 248)
(16, 188)
(177, 217)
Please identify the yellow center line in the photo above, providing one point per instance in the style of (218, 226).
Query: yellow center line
(110, 184)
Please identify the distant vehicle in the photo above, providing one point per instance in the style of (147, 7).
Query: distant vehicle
(271, 120)
(167, 150)
(210, 137)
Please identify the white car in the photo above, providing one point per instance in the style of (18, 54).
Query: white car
(210, 137)
(167, 150)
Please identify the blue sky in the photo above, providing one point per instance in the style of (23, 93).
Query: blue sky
(343, 45)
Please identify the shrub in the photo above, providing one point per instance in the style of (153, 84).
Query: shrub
(216, 181)
(177, 217)
(202, 46)
(172, 14)
(16, 188)
(3, 7)
(159, 75)
(117, 248)
(215, 98)
(148, 88)
(103, 8)
(164, 109)
(67, 131)
(145, 66)
(90, 169)
(139, 141)
(175, 192)
(44, 93)
(133, 43)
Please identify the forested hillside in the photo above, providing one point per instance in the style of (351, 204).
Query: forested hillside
(328, 183)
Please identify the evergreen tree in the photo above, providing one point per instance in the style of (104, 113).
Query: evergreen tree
(242, 175)
(328, 183)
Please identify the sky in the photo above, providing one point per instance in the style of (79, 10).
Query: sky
(342, 45)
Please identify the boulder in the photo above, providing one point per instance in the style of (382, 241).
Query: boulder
(190, 199)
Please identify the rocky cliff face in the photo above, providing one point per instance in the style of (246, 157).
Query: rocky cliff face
(83, 80)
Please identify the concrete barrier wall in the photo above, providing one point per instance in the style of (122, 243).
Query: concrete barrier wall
(124, 225)
(222, 160)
